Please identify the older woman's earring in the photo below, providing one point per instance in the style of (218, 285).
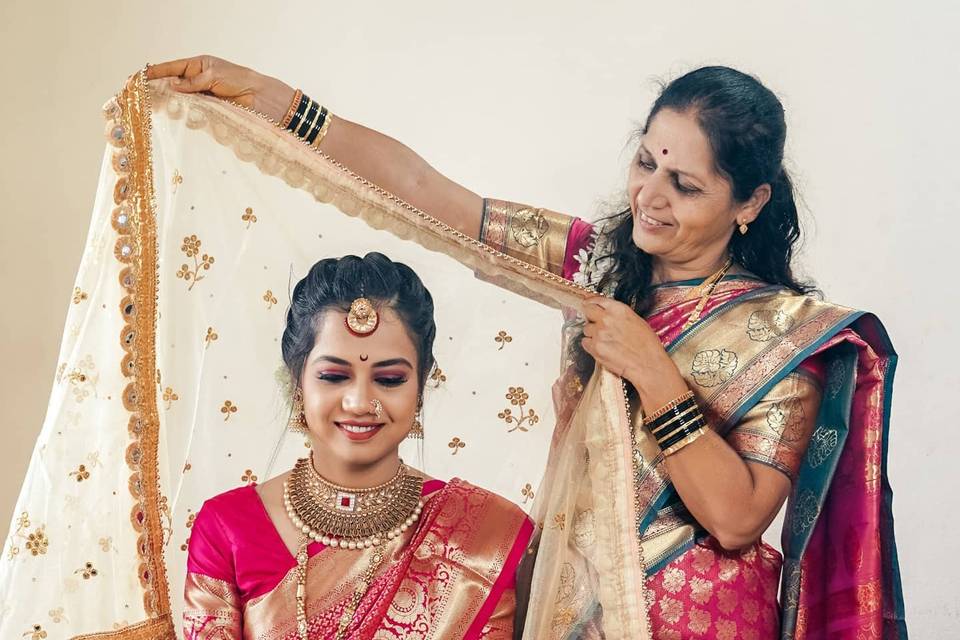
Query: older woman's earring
(298, 421)
(416, 430)
(743, 228)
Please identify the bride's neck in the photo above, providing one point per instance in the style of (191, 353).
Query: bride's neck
(353, 475)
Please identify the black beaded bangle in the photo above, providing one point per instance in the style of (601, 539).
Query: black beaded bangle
(298, 114)
(308, 120)
(671, 414)
(679, 431)
(679, 418)
(316, 127)
(682, 433)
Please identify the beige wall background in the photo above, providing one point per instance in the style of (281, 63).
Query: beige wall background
(535, 102)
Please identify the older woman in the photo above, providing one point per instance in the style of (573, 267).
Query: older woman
(742, 390)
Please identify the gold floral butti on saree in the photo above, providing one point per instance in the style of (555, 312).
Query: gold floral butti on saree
(166, 391)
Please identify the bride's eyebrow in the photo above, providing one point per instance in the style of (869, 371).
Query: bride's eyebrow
(393, 361)
(331, 359)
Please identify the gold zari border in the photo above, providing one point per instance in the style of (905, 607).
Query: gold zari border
(536, 236)
(155, 629)
(129, 116)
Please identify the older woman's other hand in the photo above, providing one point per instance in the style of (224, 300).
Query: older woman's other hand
(624, 344)
(224, 79)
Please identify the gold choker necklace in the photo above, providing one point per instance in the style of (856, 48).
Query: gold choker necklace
(351, 518)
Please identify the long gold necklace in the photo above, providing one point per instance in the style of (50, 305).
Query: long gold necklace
(705, 289)
(347, 518)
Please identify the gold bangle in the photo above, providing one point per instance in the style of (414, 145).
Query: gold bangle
(298, 94)
(667, 407)
(323, 131)
(680, 445)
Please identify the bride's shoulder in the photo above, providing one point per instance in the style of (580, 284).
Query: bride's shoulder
(492, 503)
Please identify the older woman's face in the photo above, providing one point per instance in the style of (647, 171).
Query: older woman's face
(342, 376)
(682, 208)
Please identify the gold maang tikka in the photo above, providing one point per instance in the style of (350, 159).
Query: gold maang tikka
(362, 319)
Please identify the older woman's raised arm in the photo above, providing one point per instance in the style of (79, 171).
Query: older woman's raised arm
(377, 157)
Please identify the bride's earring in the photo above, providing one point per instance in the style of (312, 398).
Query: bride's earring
(416, 431)
(298, 421)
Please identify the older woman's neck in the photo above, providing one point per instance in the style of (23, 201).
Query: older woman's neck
(700, 267)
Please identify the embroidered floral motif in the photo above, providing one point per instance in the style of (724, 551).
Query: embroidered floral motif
(210, 337)
(713, 367)
(57, 615)
(87, 571)
(176, 180)
(36, 633)
(527, 492)
(80, 474)
(766, 324)
(559, 521)
(248, 477)
(169, 396)
(78, 295)
(191, 248)
(456, 444)
(83, 379)
(228, 409)
(37, 542)
(525, 418)
(503, 339)
(437, 377)
(248, 216)
(270, 299)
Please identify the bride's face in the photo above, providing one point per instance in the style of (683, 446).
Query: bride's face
(342, 376)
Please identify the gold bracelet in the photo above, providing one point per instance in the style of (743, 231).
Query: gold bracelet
(672, 449)
(323, 131)
(667, 407)
(292, 110)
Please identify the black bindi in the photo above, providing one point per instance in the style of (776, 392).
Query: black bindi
(665, 152)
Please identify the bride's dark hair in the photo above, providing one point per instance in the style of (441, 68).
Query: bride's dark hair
(333, 283)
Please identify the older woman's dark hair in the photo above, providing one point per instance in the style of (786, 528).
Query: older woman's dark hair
(334, 283)
(743, 120)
